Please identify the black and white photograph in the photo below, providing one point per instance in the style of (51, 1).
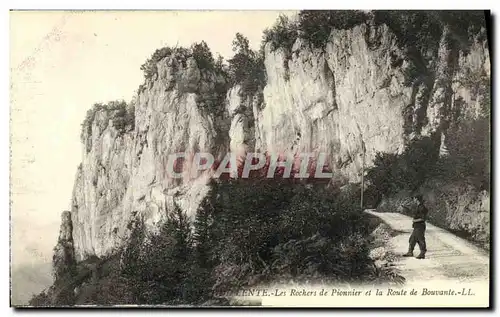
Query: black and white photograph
(246, 158)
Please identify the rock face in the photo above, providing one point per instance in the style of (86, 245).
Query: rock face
(461, 208)
(349, 98)
(336, 100)
(63, 261)
(126, 173)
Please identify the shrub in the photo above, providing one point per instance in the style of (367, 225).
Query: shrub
(420, 32)
(109, 290)
(315, 26)
(212, 99)
(131, 253)
(280, 228)
(464, 26)
(89, 119)
(199, 51)
(123, 118)
(484, 92)
(417, 32)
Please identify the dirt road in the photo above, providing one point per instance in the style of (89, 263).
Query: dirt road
(455, 273)
(448, 257)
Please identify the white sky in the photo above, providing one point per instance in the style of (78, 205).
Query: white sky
(62, 63)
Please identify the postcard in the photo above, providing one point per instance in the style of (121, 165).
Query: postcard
(313, 158)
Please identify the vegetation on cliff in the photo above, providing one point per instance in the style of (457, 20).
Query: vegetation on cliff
(419, 29)
(246, 68)
(199, 51)
(456, 181)
(418, 33)
(121, 114)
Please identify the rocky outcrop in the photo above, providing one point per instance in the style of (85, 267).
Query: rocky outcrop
(64, 261)
(334, 100)
(348, 100)
(126, 174)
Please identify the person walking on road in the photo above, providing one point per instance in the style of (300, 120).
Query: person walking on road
(418, 234)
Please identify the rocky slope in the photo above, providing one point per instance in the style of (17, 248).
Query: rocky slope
(351, 94)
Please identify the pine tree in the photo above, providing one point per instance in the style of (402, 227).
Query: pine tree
(203, 235)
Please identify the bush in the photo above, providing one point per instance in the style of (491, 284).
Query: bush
(212, 99)
(199, 51)
(284, 229)
(479, 83)
(40, 300)
(420, 32)
(464, 26)
(124, 117)
(89, 119)
(484, 91)
(109, 290)
(279, 229)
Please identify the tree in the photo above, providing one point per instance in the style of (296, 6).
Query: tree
(241, 45)
(203, 234)
(203, 55)
(165, 261)
(246, 68)
(316, 25)
(131, 253)
(149, 67)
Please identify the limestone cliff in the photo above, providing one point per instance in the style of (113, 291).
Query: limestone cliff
(64, 261)
(126, 173)
(353, 93)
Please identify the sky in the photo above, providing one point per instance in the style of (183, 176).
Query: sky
(64, 62)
